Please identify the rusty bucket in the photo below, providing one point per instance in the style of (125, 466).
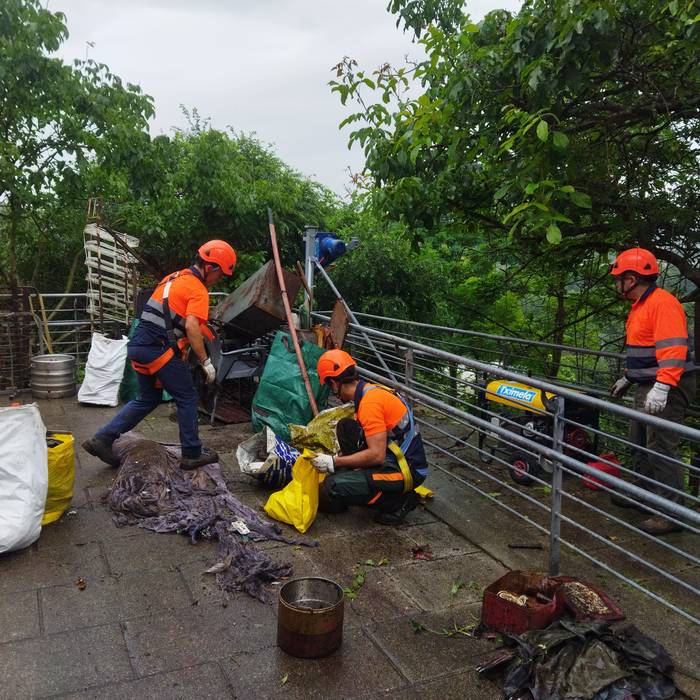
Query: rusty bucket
(310, 617)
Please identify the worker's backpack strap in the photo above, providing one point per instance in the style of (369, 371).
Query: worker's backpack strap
(403, 466)
(169, 327)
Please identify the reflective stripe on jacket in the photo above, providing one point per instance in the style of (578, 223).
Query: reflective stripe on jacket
(405, 434)
(178, 288)
(658, 347)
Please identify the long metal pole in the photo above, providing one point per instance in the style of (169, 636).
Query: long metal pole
(639, 494)
(352, 317)
(496, 371)
(288, 311)
(500, 338)
(555, 520)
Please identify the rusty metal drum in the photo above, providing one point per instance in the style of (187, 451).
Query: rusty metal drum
(310, 617)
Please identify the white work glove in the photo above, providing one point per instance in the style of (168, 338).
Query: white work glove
(209, 371)
(619, 388)
(656, 398)
(323, 464)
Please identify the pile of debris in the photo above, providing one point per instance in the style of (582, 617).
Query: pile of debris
(150, 490)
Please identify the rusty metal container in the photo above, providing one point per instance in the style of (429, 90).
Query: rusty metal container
(256, 307)
(310, 617)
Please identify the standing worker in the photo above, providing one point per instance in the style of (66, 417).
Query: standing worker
(174, 318)
(659, 359)
(382, 458)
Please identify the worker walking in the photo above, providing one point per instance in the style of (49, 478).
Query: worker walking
(173, 320)
(660, 361)
(382, 458)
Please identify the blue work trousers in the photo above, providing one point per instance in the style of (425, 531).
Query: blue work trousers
(176, 378)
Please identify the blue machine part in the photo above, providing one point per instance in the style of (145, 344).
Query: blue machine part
(329, 247)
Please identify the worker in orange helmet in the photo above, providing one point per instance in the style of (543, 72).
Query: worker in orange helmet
(381, 458)
(660, 361)
(173, 320)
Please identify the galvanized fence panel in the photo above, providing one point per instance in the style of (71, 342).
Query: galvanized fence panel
(462, 425)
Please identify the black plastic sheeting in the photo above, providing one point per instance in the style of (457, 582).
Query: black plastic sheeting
(588, 661)
(150, 490)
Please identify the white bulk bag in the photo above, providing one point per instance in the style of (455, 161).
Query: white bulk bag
(104, 371)
(24, 475)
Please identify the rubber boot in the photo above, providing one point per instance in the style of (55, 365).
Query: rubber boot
(207, 456)
(100, 449)
(326, 503)
(410, 501)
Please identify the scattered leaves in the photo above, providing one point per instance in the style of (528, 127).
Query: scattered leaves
(422, 553)
(284, 679)
(360, 575)
(417, 627)
(456, 587)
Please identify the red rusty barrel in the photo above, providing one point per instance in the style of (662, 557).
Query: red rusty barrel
(310, 617)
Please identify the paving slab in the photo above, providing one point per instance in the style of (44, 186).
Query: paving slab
(422, 656)
(430, 583)
(61, 565)
(113, 598)
(380, 598)
(64, 662)
(200, 633)
(339, 555)
(357, 669)
(151, 550)
(205, 681)
(19, 616)
(467, 685)
(441, 540)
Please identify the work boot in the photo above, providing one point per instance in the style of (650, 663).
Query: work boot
(100, 449)
(207, 456)
(658, 525)
(409, 502)
(627, 501)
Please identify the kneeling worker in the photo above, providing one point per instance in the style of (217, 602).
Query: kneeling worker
(174, 318)
(382, 458)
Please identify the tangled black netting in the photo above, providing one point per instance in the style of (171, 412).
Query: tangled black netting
(150, 490)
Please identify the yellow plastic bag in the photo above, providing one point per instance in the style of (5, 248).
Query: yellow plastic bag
(61, 476)
(297, 502)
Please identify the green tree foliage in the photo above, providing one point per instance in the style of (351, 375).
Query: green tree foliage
(541, 141)
(176, 192)
(54, 118)
(387, 275)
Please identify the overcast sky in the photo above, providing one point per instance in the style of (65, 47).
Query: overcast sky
(258, 66)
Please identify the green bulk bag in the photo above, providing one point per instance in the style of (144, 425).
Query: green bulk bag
(129, 388)
(281, 397)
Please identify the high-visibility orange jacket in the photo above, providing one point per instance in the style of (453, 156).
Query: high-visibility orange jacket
(658, 347)
(187, 295)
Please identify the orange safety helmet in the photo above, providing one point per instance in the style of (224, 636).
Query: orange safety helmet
(219, 253)
(332, 364)
(639, 260)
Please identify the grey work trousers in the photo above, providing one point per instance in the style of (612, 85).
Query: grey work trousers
(664, 442)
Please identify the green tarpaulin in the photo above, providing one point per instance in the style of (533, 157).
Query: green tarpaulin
(129, 388)
(281, 397)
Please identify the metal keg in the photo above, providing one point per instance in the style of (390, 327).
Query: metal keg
(53, 376)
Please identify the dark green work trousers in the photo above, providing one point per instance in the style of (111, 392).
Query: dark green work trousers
(380, 487)
(664, 442)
